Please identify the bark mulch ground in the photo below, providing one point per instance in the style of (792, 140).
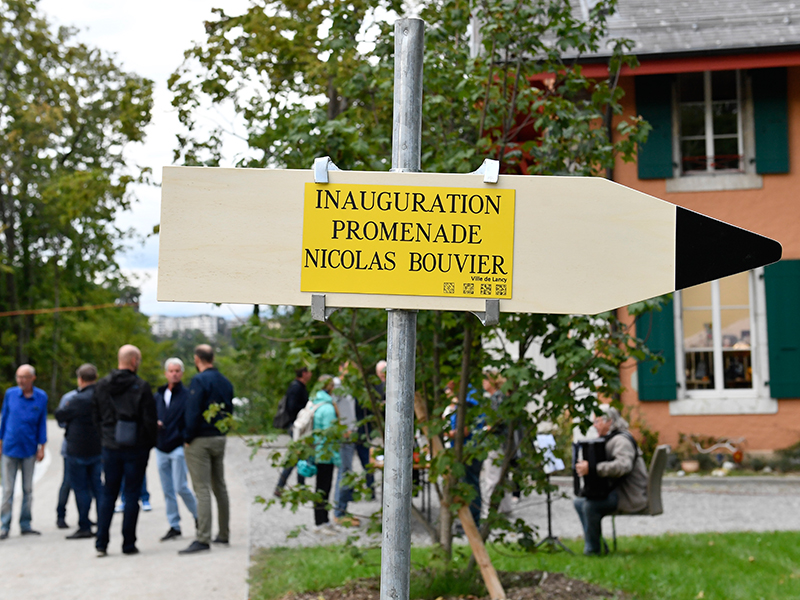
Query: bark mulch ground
(529, 585)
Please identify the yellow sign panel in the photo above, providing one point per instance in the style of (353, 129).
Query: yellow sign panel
(408, 240)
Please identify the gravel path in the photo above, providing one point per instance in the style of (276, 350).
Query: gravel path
(691, 504)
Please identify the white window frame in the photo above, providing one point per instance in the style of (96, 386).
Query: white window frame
(756, 400)
(718, 180)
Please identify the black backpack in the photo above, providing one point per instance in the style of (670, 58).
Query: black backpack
(282, 419)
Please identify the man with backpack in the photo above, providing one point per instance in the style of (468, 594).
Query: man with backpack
(292, 403)
(125, 411)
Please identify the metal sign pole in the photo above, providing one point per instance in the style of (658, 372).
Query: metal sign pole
(402, 331)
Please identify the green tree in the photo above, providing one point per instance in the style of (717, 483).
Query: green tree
(67, 114)
(316, 79)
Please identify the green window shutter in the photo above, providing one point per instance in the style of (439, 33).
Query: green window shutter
(782, 283)
(770, 113)
(657, 329)
(654, 103)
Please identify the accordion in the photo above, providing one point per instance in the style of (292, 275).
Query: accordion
(592, 486)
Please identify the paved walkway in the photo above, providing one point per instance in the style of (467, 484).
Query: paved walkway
(49, 566)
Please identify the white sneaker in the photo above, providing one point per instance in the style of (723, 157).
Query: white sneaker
(120, 507)
(325, 529)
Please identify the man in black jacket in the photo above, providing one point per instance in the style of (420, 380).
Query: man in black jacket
(171, 408)
(296, 400)
(126, 413)
(205, 446)
(83, 459)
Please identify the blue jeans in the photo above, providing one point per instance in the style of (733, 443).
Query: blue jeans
(343, 495)
(63, 494)
(83, 474)
(10, 467)
(591, 513)
(472, 477)
(362, 450)
(132, 465)
(172, 471)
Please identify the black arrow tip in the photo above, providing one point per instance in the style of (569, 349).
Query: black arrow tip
(708, 249)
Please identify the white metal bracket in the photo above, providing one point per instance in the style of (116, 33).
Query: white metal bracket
(491, 316)
(321, 167)
(320, 312)
(490, 169)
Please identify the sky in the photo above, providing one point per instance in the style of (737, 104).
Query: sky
(149, 38)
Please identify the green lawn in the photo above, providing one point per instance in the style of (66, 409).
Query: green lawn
(730, 566)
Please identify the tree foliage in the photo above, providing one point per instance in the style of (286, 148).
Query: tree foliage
(501, 80)
(67, 114)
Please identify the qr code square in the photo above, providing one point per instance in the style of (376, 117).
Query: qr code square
(486, 289)
(449, 287)
(500, 288)
(469, 288)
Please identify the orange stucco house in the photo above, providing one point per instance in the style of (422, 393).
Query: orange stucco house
(720, 84)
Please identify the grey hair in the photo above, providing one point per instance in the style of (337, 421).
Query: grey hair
(174, 361)
(612, 414)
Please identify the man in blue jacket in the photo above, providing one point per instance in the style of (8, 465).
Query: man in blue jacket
(205, 446)
(23, 434)
(171, 408)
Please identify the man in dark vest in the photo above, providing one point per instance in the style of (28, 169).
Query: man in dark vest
(126, 413)
(83, 458)
(205, 447)
(171, 408)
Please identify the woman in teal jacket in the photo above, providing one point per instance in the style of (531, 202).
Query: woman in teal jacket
(326, 454)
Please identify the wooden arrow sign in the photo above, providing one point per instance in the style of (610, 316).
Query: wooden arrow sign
(434, 241)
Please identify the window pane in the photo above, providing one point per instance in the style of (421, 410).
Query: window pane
(723, 85)
(691, 87)
(738, 369)
(699, 371)
(726, 119)
(697, 329)
(693, 120)
(693, 153)
(726, 154)
(735, 328)
(735, 290)
(697, 296)
(698, 340)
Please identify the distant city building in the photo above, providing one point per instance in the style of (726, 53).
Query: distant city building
(208, 325)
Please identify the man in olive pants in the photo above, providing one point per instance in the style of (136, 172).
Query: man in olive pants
(205, 447)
